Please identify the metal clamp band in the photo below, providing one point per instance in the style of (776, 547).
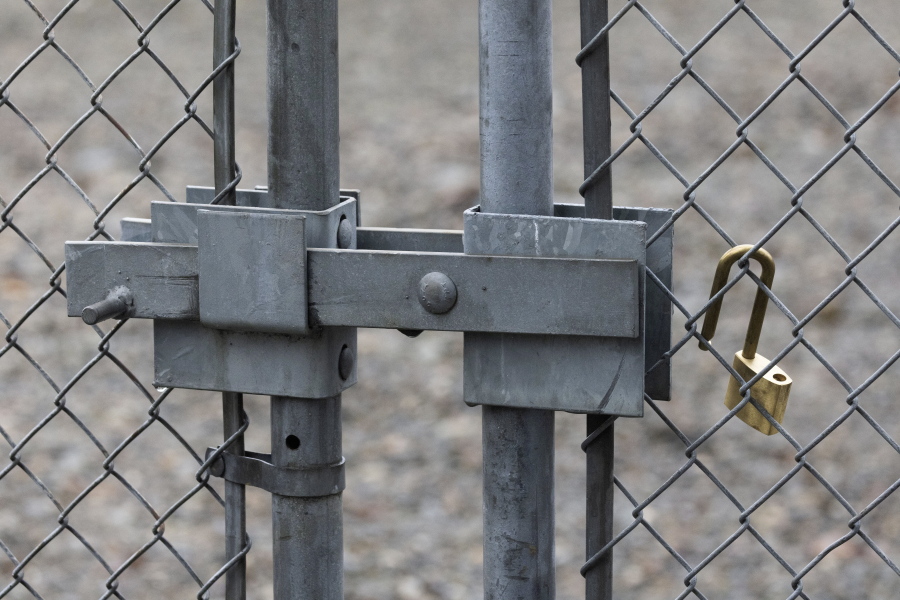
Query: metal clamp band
(257, 470)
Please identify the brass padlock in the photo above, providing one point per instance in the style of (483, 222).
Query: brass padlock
(772, 390)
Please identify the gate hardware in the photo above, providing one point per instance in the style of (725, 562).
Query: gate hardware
(772, 390)
(256, 469)
(264, 301)
(118, 304)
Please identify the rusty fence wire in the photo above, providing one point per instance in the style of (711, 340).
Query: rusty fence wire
(760, 122)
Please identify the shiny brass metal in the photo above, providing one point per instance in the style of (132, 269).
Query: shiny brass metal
(772, 390)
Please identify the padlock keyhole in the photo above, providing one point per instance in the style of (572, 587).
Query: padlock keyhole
(779, 377)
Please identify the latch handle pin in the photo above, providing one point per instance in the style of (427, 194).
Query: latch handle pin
(116, 304)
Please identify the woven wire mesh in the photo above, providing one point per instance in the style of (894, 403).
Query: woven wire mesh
(770, 125)
(87, 510)
(104, 475)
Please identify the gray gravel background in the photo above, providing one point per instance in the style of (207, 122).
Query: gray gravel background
(409, 126)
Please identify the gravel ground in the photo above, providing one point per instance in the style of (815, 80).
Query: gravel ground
(409, 127)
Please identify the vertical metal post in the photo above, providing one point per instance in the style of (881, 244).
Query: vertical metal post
(303, 104)
(225, 174)
(600, 445)
(224, 20)
(595, 109)
(303, 174)
(517, 177)
(600, 451)
(516, 105)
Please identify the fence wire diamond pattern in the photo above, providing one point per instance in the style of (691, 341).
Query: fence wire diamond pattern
(73, 533)
(799, 203)
(759, 123)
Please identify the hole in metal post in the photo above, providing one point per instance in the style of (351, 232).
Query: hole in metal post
(292, 442)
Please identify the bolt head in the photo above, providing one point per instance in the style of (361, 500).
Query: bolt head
(346, 362)
(344, 234)
(437, 293)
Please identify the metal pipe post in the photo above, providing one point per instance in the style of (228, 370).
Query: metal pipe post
(303, 174)
(225, 172)
(516, 105)
(307, 532)
(595, 109)
(600, 451)
(224, 20)
(595, 89)
(517, 177)
(304, 163)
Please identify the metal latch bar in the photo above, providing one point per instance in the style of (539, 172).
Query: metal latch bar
(371, 288)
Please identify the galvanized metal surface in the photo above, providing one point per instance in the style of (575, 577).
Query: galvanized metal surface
(303, 171)
(136, 230)
(226, 176)
(515, 105)
(302, 98)
(518, 503)
(177, 223)
(252, 272)
(505, 294)
(577, 374)
(374, 288)
(257, 470)
(553, 236)
(409, 240)
(596, 128)
(590, 375)
(191, 356)
(657, 305)
(162, 277)
(308, 533)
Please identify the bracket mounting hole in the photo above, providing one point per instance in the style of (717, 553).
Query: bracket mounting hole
(292, 442)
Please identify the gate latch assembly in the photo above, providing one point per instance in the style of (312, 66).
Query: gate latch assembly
(266, 301)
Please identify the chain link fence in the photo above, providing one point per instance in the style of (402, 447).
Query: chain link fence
(761, 122)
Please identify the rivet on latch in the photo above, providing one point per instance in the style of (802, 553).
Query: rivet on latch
(344, 234)
(346, 362)
(117, 304)
(772, 390)
(437, 293)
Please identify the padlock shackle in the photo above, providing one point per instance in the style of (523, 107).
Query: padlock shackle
(754, 329)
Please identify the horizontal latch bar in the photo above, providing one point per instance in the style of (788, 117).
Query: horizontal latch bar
(371, 288)
(162, 278)
(493, 293)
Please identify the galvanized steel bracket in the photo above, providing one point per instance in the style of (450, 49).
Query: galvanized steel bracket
(582, 374)
(257, 470)
(266, 301)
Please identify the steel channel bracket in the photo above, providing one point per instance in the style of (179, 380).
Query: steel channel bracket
(266, 301)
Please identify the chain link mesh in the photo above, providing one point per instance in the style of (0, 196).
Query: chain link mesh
(806, 513)
(116, 528)
(760, 122)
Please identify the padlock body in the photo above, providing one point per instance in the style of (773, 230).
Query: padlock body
(771, 392)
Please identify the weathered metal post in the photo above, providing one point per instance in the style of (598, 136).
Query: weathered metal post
(225, 173)
(517, 178)
(303, 174)
(597, 191)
